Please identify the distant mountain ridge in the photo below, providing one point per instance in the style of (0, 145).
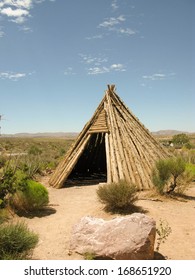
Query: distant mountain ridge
(168, 132)
(70, 135)
(43, 134)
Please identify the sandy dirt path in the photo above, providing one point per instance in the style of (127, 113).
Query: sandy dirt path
(68, 205)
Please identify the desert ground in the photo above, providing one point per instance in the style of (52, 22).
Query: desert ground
(68, 205)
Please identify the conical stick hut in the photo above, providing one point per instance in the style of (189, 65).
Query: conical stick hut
(113, 142)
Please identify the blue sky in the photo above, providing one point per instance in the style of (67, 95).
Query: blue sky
(57, 57)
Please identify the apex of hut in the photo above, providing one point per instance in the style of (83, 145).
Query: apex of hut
(111, 88)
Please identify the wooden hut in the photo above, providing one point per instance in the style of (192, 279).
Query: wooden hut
(114, 143)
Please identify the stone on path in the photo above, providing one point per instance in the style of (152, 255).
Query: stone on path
(129, 237)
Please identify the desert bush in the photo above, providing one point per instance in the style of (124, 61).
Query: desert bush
(3, 160)
(163, 232)
(30, 165)
(161, 175)
(187, 155)
(189, 146)
(34, 150)
(11, 179)
(16, 189)
(33, 196)
(7, 185)
(117, 197)
(190, 168)
(185, 179)
(4, 215)
(16, 241)
(166, 174)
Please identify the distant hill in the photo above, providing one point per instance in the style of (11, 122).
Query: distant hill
(168, 132)
(66, 135)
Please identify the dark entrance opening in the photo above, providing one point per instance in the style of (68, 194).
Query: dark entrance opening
(91, 166)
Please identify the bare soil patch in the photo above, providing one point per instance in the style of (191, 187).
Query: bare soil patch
(68, 205)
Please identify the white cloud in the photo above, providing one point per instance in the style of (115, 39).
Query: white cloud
(158, 76)
(19, 20)
(88, 59)
(100, 36)
(11, 76)
(126, 31)
(154, 77)
(118, 67)
(69, 71)
(98, 70)
(26, 4)
(18, 10)
(106, 69)
(114, 5)
(99, 65)
(14, 12)
(112, 21)
(25, 29)
(116, 24)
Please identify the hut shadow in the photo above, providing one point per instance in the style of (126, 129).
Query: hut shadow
(182, 197)
(45, 211)
(126, 211)
(158, 256)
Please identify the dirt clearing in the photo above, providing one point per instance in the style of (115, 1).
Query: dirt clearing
(68, 205)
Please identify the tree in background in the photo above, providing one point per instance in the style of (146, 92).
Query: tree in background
(180, 139)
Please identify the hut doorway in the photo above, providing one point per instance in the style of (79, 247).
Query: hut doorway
(91, 166)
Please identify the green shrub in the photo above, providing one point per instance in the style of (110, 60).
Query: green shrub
(16, 241)
(7, 185)
(4, 215)
(34, 150)
(167, 173)
(117, 197)
(3, 160)
(32, 197)
(190, 168)
(11, 180)
(185, 178)
(161, 175)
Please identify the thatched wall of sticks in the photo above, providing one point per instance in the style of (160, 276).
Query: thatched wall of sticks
(115, 142)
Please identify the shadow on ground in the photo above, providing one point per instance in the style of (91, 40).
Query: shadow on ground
(159, 256)
(182, 197)
(125, 211)
(46, 211)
